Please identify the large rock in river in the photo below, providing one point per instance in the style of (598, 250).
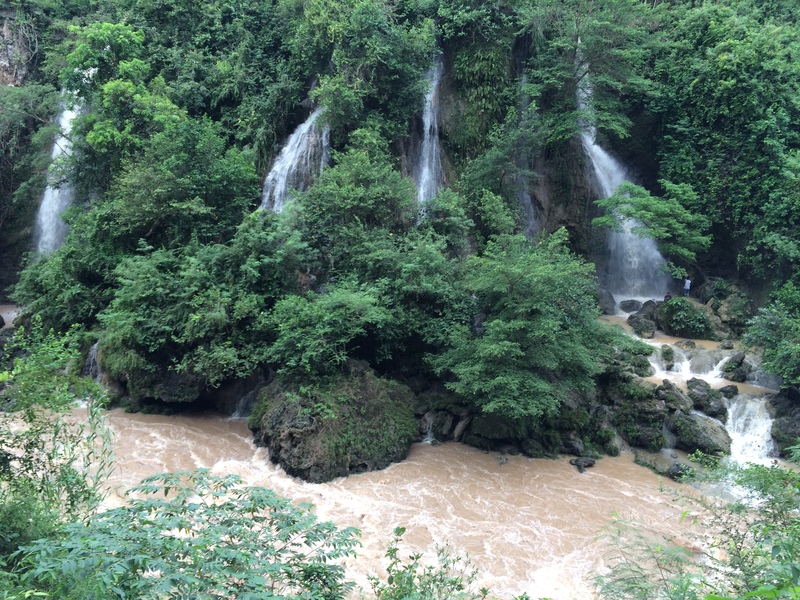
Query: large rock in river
(696, 431)
(355, 423)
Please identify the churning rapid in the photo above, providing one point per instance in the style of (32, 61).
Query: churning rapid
(305, 154)
(529, 525)
(50, 227)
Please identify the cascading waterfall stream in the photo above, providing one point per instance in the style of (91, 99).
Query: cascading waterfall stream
(748, 421)
(428, 172)
(305, 154)
(50, 228)
(635, 266)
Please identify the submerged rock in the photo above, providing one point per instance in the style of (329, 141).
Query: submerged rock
(582, 463)
(630, 306)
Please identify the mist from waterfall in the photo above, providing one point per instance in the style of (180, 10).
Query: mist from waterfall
(428, 164)
(636, 268)
(50, 229)
(305, 155)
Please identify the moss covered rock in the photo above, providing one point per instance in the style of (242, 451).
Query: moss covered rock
(352, 423)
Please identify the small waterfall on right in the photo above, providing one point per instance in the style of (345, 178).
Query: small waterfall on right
(305, 154)
(635, 266)
(50, 228)
(750, 427)
(427, 169)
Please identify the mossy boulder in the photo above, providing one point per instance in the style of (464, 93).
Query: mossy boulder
(707, 400)
(681, 317)
(353, 423)
(696, 431)
(642, 327)
(785, 411)
(639, 414)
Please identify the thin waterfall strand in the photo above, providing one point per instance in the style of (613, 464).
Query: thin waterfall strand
(50, 227)
(428, 169)
(304, 156)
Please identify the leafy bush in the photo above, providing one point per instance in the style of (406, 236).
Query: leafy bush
(193, 534)
(451, 578)
(683, 318)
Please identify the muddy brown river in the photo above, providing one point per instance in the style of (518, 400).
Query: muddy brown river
(529, 525)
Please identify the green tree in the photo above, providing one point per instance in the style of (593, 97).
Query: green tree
(776, 331)
(537, 341)
(680, 234)
(315, 332)
(52, 466)
(728, 94)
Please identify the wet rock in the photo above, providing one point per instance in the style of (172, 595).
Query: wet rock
(686, 345)
(668, 356)
(572, 444)
(630, 306)
(729, 391)
(726, 344)
(2, 322)
(582, 463)
(461, 426)
(737, 369)
(606, 301)
(673, 398)
(644, 328)
(696, 431)
(707, 400)
(372, 425)
(648, 311)
(785, 410)
(679, 471)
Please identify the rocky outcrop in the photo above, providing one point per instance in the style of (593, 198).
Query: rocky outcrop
(630, 306)
(644, 328)
(358, 422)
(785, 411)
(605, 300)
(737, 369)
(18, 45)
(696, 431)
(705, 399)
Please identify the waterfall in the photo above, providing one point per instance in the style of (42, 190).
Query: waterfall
(635, 266)
(750, 426)
(428, 165)
(92, 366)
(50, 228)
(302, 158)
(522, 181)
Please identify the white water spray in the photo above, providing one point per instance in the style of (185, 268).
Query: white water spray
(305, 154)
(428, 165)
(50, 228)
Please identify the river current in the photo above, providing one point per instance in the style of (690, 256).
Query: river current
(528, 525)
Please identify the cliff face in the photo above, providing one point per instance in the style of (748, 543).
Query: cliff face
(18, 45)
(563, 192)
